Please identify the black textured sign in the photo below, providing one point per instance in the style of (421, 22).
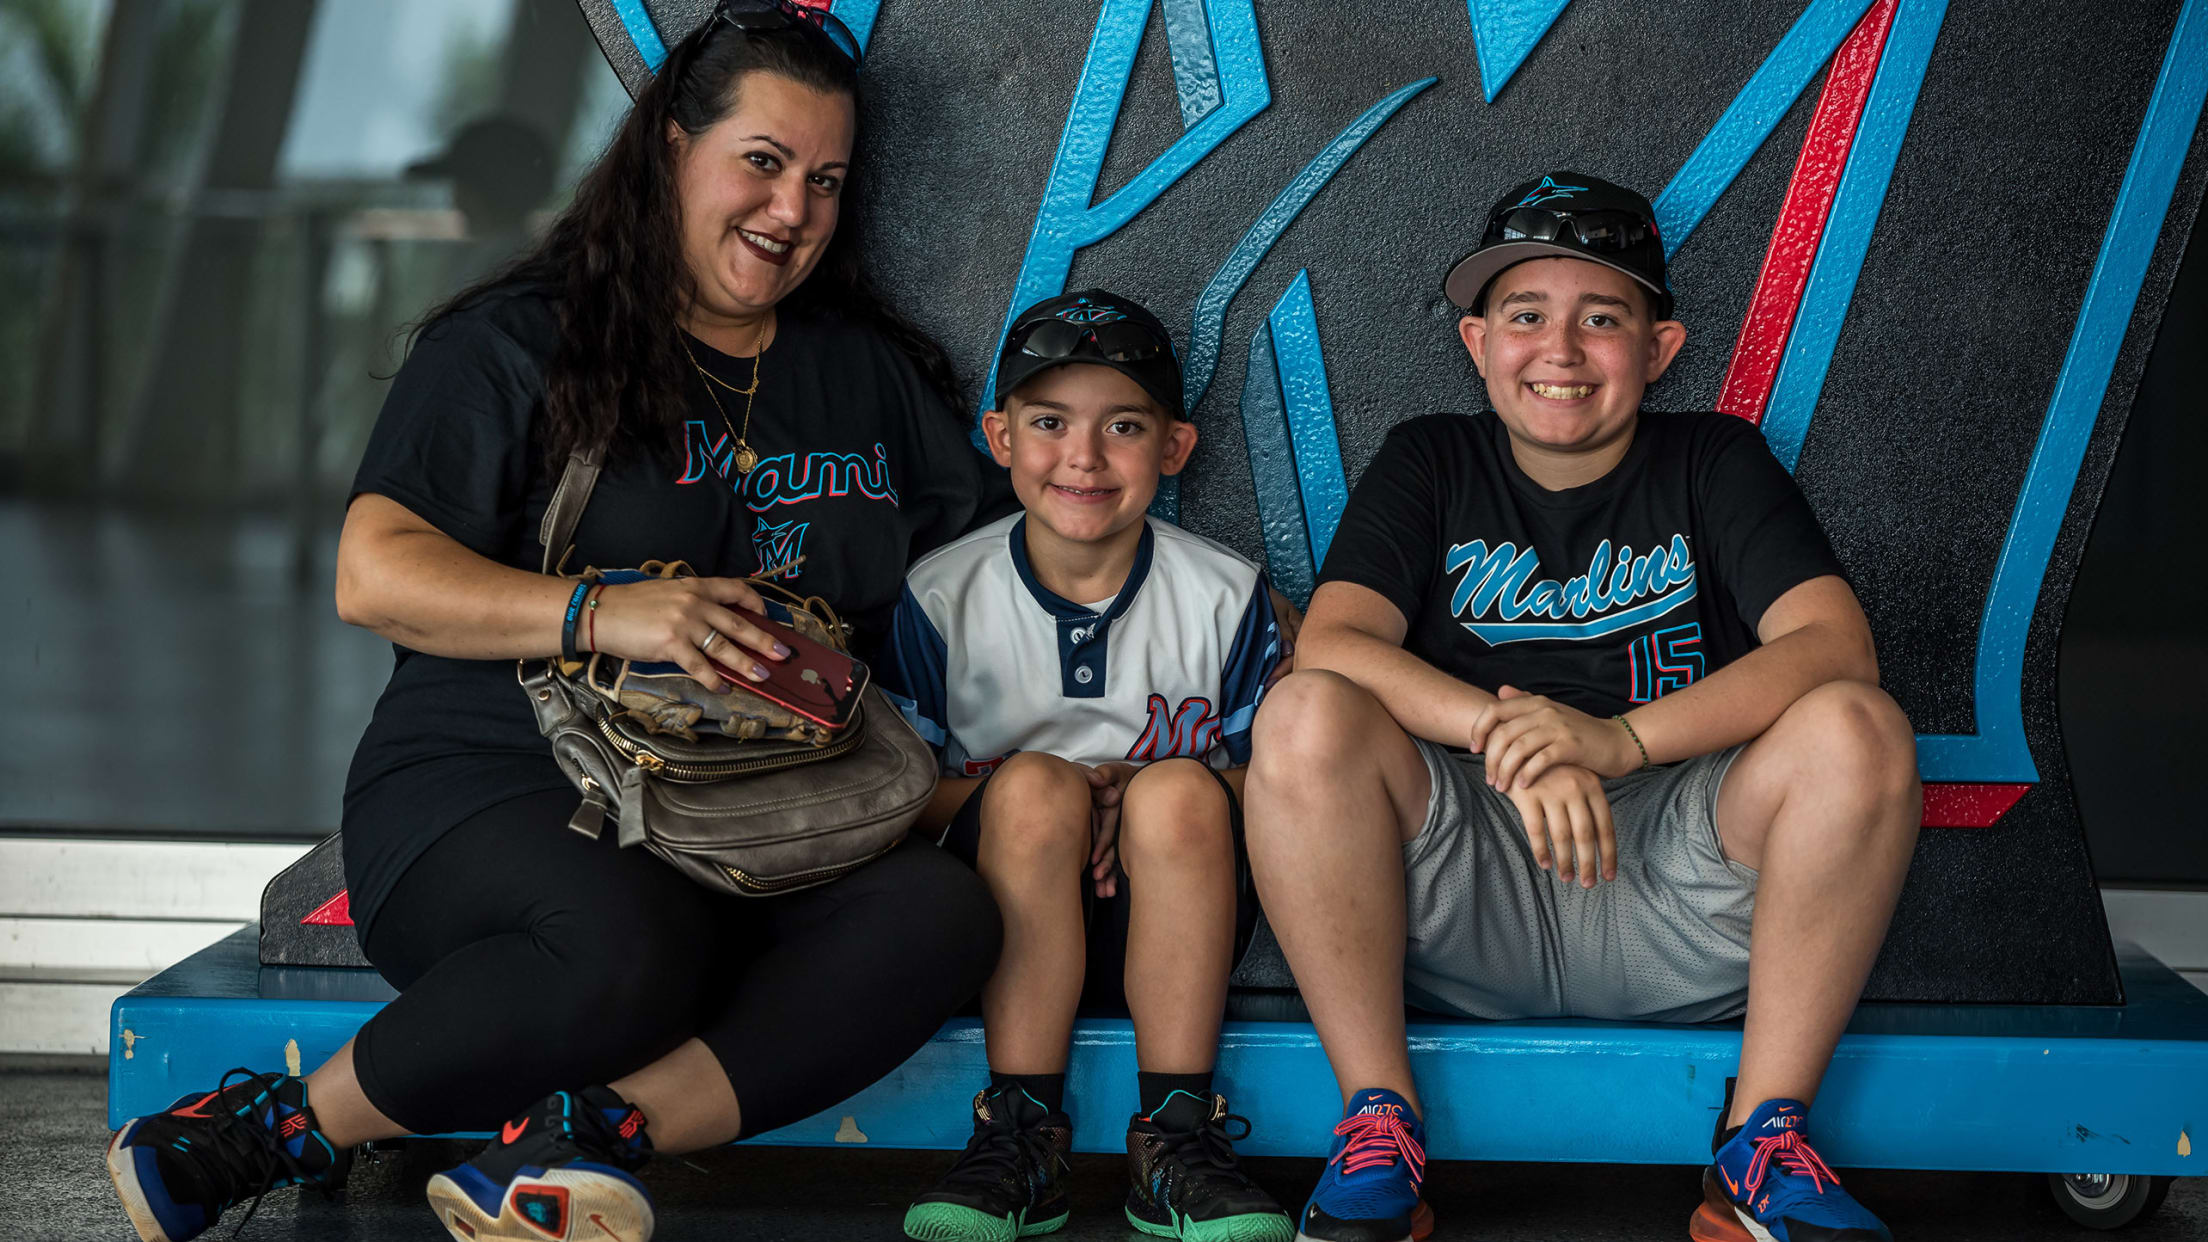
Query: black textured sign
(1925, 245)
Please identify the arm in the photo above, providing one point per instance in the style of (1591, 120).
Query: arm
(1813, 634)
(403, 578)
(1356, 632)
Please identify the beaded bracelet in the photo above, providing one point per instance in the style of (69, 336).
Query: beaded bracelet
(1646, 766)
(567, 623)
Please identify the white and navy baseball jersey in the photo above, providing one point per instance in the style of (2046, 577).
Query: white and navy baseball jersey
(984, 660)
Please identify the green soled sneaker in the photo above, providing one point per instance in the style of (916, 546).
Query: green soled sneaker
(1186, 1182)
(1009, 1183)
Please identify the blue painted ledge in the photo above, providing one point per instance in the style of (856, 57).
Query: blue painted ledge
(2118, 1089)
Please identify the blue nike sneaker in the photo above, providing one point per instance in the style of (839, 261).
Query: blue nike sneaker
(562, 1172)
(178, 1171)
(1369, 1191)
(1767, 1185)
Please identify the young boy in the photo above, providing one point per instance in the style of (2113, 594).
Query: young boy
(1086, 674)
(1633, 623)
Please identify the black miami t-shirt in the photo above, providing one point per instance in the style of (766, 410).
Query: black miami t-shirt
(1603, 596)
(862, 469)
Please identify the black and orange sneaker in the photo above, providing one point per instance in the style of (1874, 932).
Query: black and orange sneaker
(1009, 1183)
(1185, 1181)
(178, 1171)
(564, 1170)
(1767, 1185)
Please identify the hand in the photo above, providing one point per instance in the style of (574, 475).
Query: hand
(1524, 735)
(1289, 620)
(690, 622)
(1107, 786)
(1567, 820)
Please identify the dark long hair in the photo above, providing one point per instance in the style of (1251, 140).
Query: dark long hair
(614, 256)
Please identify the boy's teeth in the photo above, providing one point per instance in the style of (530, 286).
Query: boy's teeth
(764, 243)
(1565, 392)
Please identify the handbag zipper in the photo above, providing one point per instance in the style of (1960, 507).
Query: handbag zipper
(658, 765)
(752, 884)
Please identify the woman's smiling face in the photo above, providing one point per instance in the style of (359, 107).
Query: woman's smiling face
(759, 192)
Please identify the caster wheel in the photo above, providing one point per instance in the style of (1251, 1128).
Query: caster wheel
(2107, 1200)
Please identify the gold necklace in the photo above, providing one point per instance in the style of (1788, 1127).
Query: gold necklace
(745, 457)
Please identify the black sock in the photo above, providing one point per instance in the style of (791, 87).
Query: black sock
(1152, 1089)
(1724, 1136)
(1048, 1090)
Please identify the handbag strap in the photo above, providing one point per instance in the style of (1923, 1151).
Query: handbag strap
(560, 517)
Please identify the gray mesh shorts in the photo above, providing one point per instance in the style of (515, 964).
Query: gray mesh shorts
(1493, 936)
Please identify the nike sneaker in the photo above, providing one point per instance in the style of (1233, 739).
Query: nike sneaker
(1186, 1182)
(564, 1171)
(1369, 1189)
(1009, 1183)
(1767, 1185)
(178, 1171)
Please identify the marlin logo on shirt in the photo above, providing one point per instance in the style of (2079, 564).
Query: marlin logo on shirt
(1190, 730)
(1603, 600)
(779, 548)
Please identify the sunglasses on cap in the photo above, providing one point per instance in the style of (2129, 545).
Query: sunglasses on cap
(773, 16)
(1116, 340)
(1604, 230)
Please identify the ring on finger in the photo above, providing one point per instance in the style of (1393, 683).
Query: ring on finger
(710, 639)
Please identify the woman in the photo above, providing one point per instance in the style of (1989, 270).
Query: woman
(699, 311)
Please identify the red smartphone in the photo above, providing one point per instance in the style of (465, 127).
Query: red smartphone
(816, 681)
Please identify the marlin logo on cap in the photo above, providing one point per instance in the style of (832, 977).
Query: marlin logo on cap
(1545, 191)
(1083, 311)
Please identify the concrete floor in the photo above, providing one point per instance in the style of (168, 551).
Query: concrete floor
(52, 1127)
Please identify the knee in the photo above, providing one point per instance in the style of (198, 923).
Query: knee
(1174, 815)
(1307, 724)
(1862, 742)
(1035, 815)
(642, 964)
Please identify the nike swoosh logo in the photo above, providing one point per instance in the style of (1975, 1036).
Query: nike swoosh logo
(1730, 1184)
(600, 1221)
(511, 1133)
(198, 1107)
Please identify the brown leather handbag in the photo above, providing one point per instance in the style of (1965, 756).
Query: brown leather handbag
(758, 801)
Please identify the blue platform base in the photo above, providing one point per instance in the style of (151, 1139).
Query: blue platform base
(2120, 1089)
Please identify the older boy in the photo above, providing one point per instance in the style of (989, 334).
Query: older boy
(1633, 623)
(1088, 675)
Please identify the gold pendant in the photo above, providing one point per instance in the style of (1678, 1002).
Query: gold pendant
(745, 459)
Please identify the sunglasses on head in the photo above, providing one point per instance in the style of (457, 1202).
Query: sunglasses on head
(1123, 340)
(772, 16)
(1596, 230)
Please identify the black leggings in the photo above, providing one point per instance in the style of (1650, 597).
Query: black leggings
(530, 958)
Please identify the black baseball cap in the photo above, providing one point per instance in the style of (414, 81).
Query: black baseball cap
(1571, 215)
(1094, 326)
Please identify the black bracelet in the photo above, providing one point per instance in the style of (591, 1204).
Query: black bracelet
(1646, 766)
(567, 624)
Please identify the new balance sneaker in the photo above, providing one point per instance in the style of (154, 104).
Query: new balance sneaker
(1010, 1182)
(1369, 1189)
(178, 1171)
(564, 1171)
(1766, 1184)
(1185, 1182)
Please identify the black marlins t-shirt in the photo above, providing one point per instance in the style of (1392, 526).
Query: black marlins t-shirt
(862, 469)
(1602, 596)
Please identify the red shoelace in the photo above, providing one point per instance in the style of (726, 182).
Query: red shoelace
(1794, 1155)
(1378, 1139)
